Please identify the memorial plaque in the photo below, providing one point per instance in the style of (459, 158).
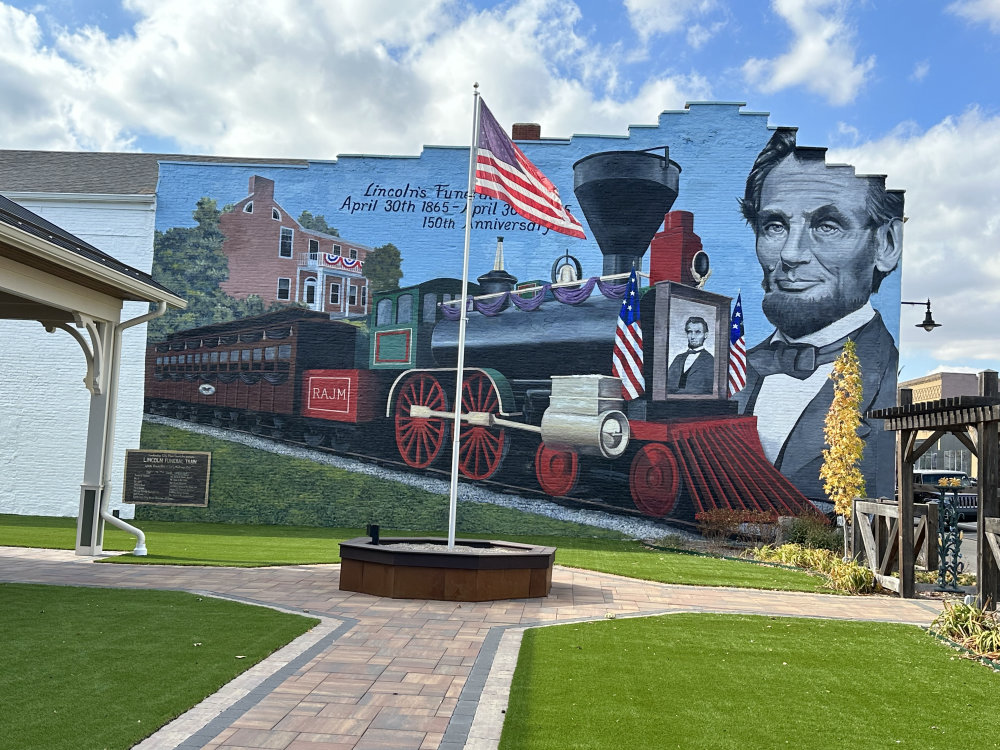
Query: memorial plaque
(167, 477)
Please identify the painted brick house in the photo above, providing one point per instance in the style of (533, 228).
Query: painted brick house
(273, 256)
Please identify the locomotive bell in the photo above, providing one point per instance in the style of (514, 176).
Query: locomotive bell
(624, 196)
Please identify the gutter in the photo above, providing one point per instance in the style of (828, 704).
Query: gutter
(53, 254)
(109, 427)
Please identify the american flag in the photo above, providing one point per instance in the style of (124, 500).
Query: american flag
(737, 350)
(504, 172)
(627, 356)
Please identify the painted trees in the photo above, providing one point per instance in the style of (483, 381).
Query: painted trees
(189, 261)
(383, 268)
(316, 223)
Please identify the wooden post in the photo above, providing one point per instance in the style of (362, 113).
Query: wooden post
(857, 545)
(931, 540)
(987, 574)
(904, 483)
(882, 542)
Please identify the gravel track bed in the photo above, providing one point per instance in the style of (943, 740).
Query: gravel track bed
(635, 528)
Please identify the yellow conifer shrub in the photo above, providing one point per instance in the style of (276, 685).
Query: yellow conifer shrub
(841, 474)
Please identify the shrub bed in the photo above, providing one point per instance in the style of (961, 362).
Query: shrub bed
(848, 577)
(814, 531)
(974, 629)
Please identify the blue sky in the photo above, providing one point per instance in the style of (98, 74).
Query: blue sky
(907, 88)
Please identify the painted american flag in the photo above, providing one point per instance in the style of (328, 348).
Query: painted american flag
(627, 356)
(737, 350)
(504, 172)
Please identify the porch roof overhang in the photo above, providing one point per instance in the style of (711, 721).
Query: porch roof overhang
(945, 414)
(47, 274)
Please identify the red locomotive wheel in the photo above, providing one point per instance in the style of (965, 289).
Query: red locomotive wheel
(556, 471)
(420, 440)
(654, 480)
(481, 449)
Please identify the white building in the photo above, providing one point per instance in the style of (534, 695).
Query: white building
(109, 201)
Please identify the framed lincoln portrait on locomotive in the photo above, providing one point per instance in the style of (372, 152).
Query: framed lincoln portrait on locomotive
(691, 354)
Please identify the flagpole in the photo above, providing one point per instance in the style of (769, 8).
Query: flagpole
(460, 365)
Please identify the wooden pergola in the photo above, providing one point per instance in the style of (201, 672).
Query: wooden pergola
(974, 420)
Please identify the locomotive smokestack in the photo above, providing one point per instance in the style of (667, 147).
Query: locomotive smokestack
(624, 195)
(498, 280)
(498, 258)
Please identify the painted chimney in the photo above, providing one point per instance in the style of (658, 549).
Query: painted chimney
(261, 188)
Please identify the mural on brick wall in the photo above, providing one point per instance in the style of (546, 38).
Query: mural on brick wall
(339, 329)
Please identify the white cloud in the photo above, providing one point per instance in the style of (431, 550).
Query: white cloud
(920, 70)
(314, 79)
(822, 57)
(45, 93)
(651, 17)
(978, 11)
(851, 134)
(952, 180)
(956, 368)
(698, 34)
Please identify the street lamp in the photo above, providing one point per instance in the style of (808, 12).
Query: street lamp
(928, 324)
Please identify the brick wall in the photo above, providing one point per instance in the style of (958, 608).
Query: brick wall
(418, 203)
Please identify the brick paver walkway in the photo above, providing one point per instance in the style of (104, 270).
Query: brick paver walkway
(384, 673)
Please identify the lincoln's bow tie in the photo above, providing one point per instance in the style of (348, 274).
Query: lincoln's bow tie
(798, 360)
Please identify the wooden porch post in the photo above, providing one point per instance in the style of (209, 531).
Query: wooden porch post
(904, 485)
(987, 578)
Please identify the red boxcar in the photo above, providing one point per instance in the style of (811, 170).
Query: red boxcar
(246, 371)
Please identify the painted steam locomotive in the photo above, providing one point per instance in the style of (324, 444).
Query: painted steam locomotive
(539, 405)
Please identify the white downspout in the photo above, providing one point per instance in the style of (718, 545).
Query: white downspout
(109, 434)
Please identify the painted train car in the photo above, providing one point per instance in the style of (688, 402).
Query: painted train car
(540, 407)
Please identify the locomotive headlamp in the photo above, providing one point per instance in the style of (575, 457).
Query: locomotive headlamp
(611, 435)
(700, 268)
(605, 434)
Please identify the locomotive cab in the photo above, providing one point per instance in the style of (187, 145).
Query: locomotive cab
(401, 322)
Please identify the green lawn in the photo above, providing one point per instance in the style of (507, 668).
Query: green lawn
(248, 546)
(635, 560)
(103, 668)
(741, 682)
